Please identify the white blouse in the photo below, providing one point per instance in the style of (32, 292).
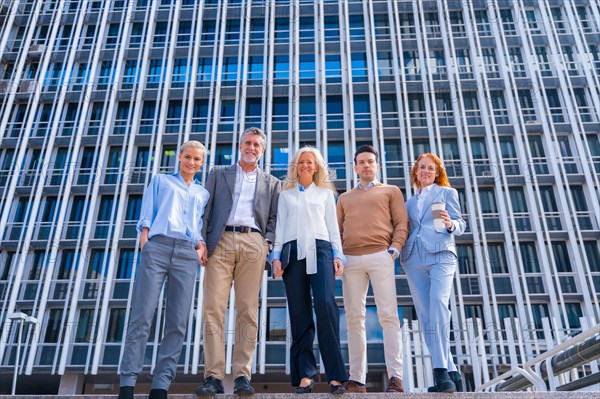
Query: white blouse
(306, 216)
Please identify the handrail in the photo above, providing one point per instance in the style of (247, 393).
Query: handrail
(526, 370)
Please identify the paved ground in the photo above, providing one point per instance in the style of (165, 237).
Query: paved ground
(464, 395)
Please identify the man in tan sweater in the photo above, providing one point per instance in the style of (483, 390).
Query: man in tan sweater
(374, 226)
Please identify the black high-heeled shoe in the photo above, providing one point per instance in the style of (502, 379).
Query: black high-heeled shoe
(337, 389)
(306, 389)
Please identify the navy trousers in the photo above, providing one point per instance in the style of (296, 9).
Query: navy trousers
(298, 284)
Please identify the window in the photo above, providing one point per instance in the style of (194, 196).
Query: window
(229, 71)
(463, 61)
(335, 116)
(97, 264)
(184, 33)
(497, 258)
(357, 28)
(307, 29)
(257, 30)
(307, 68)
(207, 38)
(561, 257)
(519, 207)
(445, 113)
(67, 264)
(332, 28)
(53, 326)
(359, 67)
(499, 107)
(125, 264)
(382, 26)
(538, 155)
(85, 326)
(232, 31)
(277, 322)
(333, 68)
(550, 208)
(308, 113)
(530, 258)
(541, 53)
(592, 253)
(116, 325)
(255, 70)
(412, 66)
(385, 66)
(555, 105)
(281, 73)
(472, 111)
(180, 72)
(362, 112)
(105, 214)
(160, 34)
(516, 60)
(489, 209)
(490, 62)
(407, 25)
(417, 116)
(280, 113)
(581, 208)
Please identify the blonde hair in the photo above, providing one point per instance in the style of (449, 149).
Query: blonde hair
(321, 176)
(192, 144)
(441, 179)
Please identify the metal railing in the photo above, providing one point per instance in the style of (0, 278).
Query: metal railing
(582, 349)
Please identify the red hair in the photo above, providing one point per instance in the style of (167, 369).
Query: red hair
(441, 179)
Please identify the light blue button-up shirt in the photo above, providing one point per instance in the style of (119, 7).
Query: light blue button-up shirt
(173, 209)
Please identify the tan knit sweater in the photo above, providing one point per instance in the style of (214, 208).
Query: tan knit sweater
(372, 220)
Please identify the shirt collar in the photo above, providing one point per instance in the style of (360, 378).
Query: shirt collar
(239, 168)
(369, 186)
(426, 190)
(302, 189)
(178, 176)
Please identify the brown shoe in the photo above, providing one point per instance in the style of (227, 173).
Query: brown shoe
(395, 385)
(355, 387)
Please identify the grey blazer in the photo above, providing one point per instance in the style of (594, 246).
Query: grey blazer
(221, 186)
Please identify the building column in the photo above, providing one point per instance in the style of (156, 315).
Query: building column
(71, 384)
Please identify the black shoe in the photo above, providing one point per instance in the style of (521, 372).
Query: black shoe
(442, 381)
(306, 389)
(242, 386)
(456, 379)
(158, 394)
(126, 393)
(337, 389)
(211, 387)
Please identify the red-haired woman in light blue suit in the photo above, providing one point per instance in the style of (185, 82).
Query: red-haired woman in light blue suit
(429, 260)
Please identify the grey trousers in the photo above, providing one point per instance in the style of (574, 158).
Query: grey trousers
(162, 258)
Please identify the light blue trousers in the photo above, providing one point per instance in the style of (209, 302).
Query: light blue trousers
(176, 261)
(430, 279)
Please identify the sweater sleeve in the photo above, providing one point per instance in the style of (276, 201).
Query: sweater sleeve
(399, 219)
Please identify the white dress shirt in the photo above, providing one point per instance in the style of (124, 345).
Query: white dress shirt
(306, 216)
(242, 211)
(422, 196)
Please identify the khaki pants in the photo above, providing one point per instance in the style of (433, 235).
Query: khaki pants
(238, 258)
(379, 269)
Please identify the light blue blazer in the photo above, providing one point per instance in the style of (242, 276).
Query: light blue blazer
(423, 238)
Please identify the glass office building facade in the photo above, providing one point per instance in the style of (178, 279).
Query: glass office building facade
(96, 97)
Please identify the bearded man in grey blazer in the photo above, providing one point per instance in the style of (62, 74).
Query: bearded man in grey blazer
(239, 226)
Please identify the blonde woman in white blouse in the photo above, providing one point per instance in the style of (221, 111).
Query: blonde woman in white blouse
(308, 254)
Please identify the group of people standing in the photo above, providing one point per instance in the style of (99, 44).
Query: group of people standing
(242, 215)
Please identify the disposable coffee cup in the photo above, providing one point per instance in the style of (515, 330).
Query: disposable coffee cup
(436, 211)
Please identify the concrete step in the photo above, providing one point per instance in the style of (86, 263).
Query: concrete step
(461, 395)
